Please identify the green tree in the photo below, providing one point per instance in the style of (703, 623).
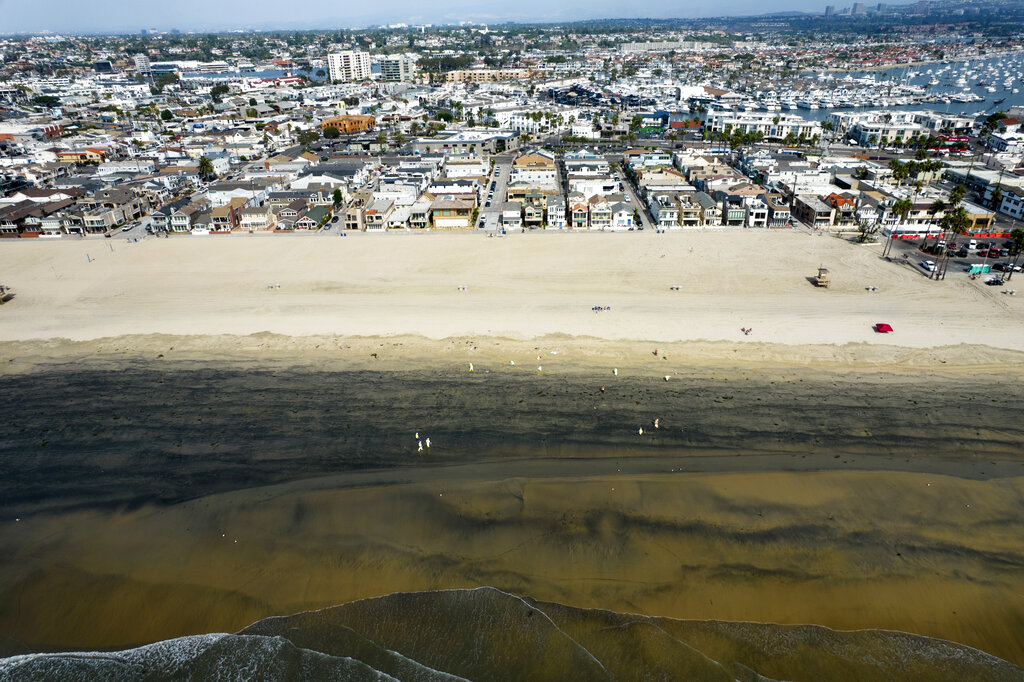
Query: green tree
(954, 223)
(165, 79)
(331, 133)
(48, 101)
(866, 230)
(218, 91)
(337, 197)
(956, 195)
(1016, 248)
(901, 208)
(307, 137)
(205, 167)
(166, 115)
(997, 198)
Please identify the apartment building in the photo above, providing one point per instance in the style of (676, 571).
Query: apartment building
(537, 167)
(399, 69)
(349, 124)
(484, 75)
(348, 66)
(812, 211)
(142, 65)
(773, 125)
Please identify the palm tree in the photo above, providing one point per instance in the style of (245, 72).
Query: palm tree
(954, 222)
(901, 208)
(997, 198)
(899, 171)
(205, 168)
(956, 195)
(1017, 235)
(937, 207)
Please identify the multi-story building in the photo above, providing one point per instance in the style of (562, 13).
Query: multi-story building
(349, 124)
(484, 75)
(665, 211)
(399, 69)
(556, 211)
(348, 66)
(711, 211)
(812, 211)
(778, 210)
(142, 65)
(757, 212)
(534, 167)
(600, 213)
(774, 126)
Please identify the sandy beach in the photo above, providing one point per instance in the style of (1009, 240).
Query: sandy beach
(520, 287)
(194, 451)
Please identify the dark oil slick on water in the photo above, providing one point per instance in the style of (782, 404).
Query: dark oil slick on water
(527, 460)
(144, 435)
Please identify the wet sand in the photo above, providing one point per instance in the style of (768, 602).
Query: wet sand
(201, 499)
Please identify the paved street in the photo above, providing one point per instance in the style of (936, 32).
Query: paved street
(489, 215)
(641, 208)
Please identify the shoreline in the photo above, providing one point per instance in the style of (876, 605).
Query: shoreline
(556, 352)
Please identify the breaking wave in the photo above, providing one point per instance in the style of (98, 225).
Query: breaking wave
(487, 634)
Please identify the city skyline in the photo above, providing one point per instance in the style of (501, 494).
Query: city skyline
(116, 16)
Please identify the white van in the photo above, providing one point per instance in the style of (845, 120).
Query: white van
(973, 244)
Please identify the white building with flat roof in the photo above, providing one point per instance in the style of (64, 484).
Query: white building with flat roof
(348, 66)
(400, 69)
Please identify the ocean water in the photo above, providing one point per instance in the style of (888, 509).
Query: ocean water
(487, 634)
(143, 508)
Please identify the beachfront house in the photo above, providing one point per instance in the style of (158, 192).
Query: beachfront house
(812, 211)
(579, 211)
(449, 213)
(313, 218)
(600, 213)
(511, 214)
(622, 216)
(710, 210)
(556, 211)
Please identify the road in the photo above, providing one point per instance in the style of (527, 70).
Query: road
(489, 215)
(645, 217)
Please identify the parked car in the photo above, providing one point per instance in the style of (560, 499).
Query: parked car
(1000, 267)
(928, 265)
(127, 228)
(973, 244)
(1003, 253)
(963, 253)
(994, 281)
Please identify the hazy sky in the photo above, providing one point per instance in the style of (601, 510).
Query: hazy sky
(92, 16)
